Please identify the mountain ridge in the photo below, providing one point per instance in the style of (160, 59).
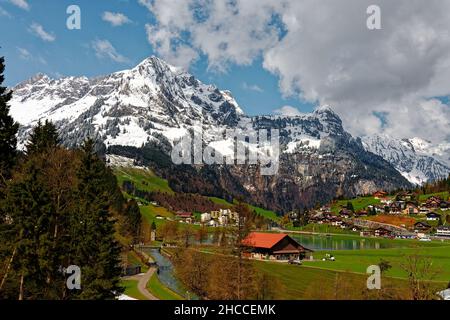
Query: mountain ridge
(155, 104)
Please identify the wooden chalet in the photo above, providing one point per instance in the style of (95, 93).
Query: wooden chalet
(411, 208)
(274, 246)
(421, 226)
(345, 213)
(405, 196)
(379, 194)
(185, 216)
(445, 205)
(382, 232)
(433, 216)
(443, 231)
(433, 202)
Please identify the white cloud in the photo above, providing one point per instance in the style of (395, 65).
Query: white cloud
(4, 13)
(39, 31)
(178, 54)
(146, 3)
(251, 87)
(323, 53)
(288, 111)
(104, 49)
(24, 53)
(115, 19)
(22, 4)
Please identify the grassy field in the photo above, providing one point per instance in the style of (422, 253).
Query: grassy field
(358, 203)
(144, 180)
(160, 291)
(323, 228)
(220, 201)
(150, 212)
(265, 213)
(359, 260)
(443, 195)
(131, 289)
(303, 282)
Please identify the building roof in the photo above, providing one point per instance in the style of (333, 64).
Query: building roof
(433, 214)
(422, 223)
(263, 240)
(184, 214)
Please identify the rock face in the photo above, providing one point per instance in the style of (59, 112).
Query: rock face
(417, 160)
(141, 113)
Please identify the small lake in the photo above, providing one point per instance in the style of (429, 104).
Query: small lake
(324, 243)
(166, 274)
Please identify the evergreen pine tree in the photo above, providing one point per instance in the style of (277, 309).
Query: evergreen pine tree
(133, 219)
(350, 206)
(30, 205)
(96, 251)
(43, 138)
(8, 130)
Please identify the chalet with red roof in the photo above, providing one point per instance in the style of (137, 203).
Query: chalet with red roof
(185, 216)
(274, 246)
(379, 194)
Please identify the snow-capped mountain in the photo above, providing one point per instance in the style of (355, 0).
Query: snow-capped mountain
(129, 107)
(416, 159)
(151, 106)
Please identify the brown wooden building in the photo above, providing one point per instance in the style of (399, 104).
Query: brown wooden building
(274, 246)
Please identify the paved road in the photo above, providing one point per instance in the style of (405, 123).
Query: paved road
(142, 283)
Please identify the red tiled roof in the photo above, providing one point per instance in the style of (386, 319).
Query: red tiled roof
(263, 240)
(184, 214)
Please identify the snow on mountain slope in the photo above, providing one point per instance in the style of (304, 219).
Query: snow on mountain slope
(129, 107)
(417, 160)
(150, 101)
(158, 103)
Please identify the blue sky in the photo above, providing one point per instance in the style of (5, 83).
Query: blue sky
(70, 52)
(268, 53)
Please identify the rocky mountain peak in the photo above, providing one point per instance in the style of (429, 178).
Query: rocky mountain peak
(155, 104)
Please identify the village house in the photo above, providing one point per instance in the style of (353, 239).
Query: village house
(424, 210)
(346, 225)
(411, 208)
(421, 226)
(361, 213)
(205, 217)
(335, 221)
(215, 214)
(223, 220)
(185, 216)
(382, 232)
(212, 223)
(344, 213)
(395, 208)
(379, 194)
(405, 196)
(378, 209)
(433, 202)
(443, 231)
(445, 205)
(433, 216)
(223, 217)
(274, 246)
